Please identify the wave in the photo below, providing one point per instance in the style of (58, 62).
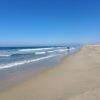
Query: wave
(58, 50)
(25, 54)
(22, 54)
(51, 51)
(4, 55)
(72, 48)
(37, 53)
(62, 50)
(19, 54)
(37, 49)
(24, 62)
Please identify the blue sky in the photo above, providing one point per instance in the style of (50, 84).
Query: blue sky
(49, 22)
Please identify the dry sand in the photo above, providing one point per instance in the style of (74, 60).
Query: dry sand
(77, 77)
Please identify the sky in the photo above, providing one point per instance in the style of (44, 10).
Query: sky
(49, 22)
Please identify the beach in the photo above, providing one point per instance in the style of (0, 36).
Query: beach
(76, 77)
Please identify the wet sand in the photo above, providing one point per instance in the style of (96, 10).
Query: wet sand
(77, 77)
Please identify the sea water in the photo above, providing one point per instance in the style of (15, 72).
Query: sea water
(13, 56)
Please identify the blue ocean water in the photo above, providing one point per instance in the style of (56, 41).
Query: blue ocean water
(13, 56)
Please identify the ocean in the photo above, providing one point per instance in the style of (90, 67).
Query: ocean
(14, 56)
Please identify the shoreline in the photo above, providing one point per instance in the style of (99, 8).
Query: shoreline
(10, 77)
(76, 77)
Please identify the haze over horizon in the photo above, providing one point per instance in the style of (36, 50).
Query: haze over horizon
(49, 22)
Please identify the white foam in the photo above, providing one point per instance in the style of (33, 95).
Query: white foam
(24, 62)
(72, 48)
(62, 50)
(4, 55)
(40, 53)
(51, 51)
(35, 49)
(58, 50)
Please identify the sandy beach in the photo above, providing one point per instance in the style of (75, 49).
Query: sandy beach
(77, 77)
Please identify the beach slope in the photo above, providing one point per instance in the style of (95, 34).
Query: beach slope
(77, 77)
